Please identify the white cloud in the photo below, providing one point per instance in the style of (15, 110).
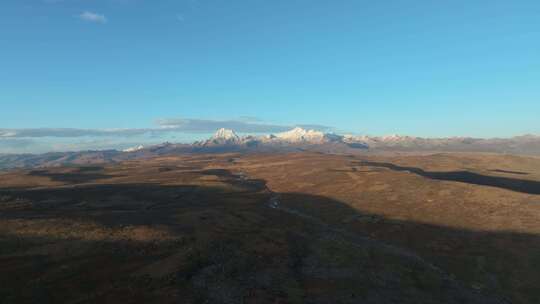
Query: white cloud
(93, 17)
(208, 125)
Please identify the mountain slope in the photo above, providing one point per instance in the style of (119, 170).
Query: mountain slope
(297, 139)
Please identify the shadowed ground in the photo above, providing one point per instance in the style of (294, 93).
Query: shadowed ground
(212, 231)
(521, 185)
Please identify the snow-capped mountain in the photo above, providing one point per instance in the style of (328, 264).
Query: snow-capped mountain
(133, 149)
(225, 134)
(222, 137)
(518, 145)
(300, 135)
(292, 137)
(383, 141)
(297, 139)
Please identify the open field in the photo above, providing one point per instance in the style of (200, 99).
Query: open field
(274, 228)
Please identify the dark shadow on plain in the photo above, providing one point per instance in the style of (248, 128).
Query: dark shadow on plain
(510, 172)
(76, 176)
(519, 185)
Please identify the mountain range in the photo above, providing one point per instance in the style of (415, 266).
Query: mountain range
(297, 139)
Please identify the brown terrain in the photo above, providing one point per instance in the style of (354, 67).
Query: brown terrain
(299, 227)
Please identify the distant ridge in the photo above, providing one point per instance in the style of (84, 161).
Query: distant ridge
(296, 139)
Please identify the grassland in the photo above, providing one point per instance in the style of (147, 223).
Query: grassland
(274, 228)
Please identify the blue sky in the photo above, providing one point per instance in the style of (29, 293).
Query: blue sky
(424, 68)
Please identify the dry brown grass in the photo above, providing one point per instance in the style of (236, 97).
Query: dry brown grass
(182, 228)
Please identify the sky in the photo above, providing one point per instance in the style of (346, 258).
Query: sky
(98, 74)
